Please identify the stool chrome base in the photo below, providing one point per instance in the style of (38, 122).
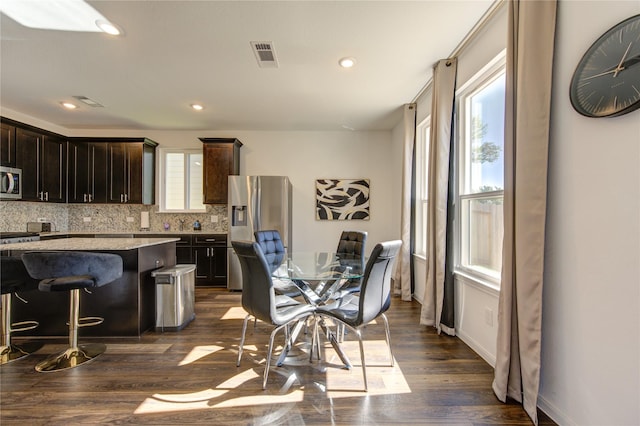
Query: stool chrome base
(14, 352)
(72, 357)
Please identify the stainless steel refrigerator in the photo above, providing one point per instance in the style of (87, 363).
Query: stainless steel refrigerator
(256, 203)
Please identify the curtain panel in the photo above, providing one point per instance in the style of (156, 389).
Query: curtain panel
(530, 50)
(403, 277)
(444, 86)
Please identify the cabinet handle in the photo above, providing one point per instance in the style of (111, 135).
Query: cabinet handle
(121, 198)
(126, 198)
(46, 196)
(207, 251)
(90, 198)
(85, 198)
(211, 239)
(41, 196)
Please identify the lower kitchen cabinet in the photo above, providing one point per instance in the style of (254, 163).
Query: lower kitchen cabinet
(210, 257)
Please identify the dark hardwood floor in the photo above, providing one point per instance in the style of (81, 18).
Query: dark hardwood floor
(190, 377)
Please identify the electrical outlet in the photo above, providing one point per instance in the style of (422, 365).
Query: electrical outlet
(129, 219)
(214, 218)
(488, 316)
(86, 219)
(42, 219)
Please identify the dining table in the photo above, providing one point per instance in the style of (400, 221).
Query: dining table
(319, 276)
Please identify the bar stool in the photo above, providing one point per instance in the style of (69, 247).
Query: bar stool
(15, 279)
(71, 271)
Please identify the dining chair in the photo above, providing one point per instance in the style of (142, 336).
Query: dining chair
(274, 252)
(373, 301)
(351, 245)
(259, 298)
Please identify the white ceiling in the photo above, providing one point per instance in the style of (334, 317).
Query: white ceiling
(175, 53)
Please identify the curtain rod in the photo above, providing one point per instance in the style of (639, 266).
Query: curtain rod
(484, 19)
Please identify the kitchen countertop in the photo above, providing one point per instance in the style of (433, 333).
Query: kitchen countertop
(154, 233)
(88, 244)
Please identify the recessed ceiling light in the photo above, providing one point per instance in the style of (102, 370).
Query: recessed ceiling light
(62, 15)
(197, 107)
(68, 105)
(108, 27)
(347, 62)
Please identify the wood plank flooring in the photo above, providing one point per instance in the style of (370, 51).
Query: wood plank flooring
(190, 377)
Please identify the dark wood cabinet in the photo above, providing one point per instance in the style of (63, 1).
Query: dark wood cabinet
(221, 159)
(43, 160)
(87, 172)
(7, 145)
(210, 258)
(131, 171)
(117, 170)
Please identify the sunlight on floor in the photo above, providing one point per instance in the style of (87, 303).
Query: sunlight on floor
(199, 352)
(339, 382)
(235, 313)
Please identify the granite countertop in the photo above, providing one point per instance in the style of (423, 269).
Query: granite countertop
(155, 233)
(88, 244)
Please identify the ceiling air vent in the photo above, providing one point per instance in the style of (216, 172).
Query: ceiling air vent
(89, 102)
(265, 54)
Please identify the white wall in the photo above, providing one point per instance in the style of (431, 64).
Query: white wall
(304, 157)
(591, 321)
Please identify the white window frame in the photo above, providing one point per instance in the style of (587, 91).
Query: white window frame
(423, 135)
(481, 79)
(162, 181)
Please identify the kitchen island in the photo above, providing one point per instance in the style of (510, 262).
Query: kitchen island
(127, 304)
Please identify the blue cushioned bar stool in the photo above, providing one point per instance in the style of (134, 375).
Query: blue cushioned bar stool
(72, 271)
(14, 280)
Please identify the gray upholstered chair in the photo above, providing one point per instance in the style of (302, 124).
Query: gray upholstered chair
(14, 279)
(72, 271)
(351, 245)
(259, 298)
(273, 249)
(374, 299)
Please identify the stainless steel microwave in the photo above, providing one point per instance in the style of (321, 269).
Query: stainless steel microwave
(10, 183)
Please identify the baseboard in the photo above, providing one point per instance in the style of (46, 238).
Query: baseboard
(477, 348)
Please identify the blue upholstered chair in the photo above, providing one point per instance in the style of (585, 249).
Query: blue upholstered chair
(72, 272)
(14, 279)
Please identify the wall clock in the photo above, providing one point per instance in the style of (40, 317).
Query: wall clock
(606, 82)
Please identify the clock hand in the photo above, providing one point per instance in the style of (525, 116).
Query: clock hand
(600, 74)
(620, 67)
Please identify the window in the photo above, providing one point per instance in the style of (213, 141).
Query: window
(181, 180)
(481, 106)
(422, 189)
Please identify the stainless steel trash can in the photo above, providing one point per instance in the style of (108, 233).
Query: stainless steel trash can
(175, 297)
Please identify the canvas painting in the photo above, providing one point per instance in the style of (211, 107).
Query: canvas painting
(342, 199)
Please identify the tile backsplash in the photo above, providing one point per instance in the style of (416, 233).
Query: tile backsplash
(14, 216)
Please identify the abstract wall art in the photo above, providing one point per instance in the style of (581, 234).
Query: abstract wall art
(342, 199)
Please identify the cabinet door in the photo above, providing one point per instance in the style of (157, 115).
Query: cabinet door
(53, 166)
(28, 145)
(203, 265)
(7, 145)
(98, 181)
(134, 178)
(220, 265)
(117, 171)
(218, 165)
(79, 164)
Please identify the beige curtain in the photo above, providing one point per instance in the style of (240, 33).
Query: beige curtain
(444, 86)
(528, 104)
(403, 276)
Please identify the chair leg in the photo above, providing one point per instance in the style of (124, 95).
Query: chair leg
(388, 335)
(269, 351)
(10, 352)
(244, 331)
(364, 368)
(76, 354)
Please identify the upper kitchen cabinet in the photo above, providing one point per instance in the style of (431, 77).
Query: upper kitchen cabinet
(221, 159)
(131, 170)
(43, 160)
(87, 172)
(7, 145)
